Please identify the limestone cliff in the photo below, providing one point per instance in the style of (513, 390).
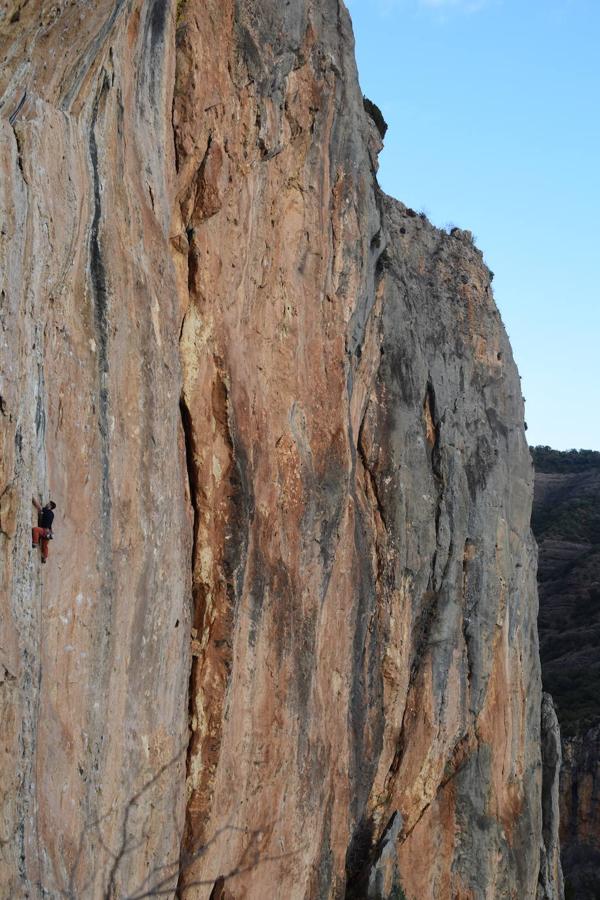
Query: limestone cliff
(285, 645)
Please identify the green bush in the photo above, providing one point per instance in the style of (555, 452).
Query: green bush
(545, 459)
(576, 519)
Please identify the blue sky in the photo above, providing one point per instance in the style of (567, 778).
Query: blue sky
(493, 109)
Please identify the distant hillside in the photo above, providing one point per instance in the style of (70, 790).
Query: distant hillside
(566, 523)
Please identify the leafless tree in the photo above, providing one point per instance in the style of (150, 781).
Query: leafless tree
(164, 880)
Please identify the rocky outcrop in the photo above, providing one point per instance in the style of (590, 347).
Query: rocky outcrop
(551, 879)
(567, 524)
(286, 643)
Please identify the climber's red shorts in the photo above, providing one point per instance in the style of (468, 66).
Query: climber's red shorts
(40, 535)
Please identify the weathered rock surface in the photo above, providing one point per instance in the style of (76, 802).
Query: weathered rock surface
(95, 646)
(567, 524)
(280, 417)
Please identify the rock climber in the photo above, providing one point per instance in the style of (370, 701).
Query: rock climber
(42, 534)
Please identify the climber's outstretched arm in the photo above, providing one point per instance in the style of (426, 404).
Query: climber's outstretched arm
(37, 504)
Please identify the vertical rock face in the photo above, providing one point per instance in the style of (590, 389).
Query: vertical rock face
(95, 646)
(280, 417)
(551, 879)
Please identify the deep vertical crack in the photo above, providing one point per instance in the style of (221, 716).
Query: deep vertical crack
(100, 313)
(192, 479)
(192, 474)
(100, 303)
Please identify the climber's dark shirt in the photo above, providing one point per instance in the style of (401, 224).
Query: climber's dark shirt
(46, 518)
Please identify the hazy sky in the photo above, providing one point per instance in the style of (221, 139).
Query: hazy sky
(493, 109)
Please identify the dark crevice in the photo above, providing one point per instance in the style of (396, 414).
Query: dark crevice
(430, 603)
(192, 474)
(234, 564)
(364, 695)
(218, 891)
(371, 476)
(40, 412)
(192, 478)
(99, 297)
(240, 495)
(358, 860)
(200, 176)
(366, 670)
(19, 155)
(100, 303)
(465, 620)
(193, 262)
(432, 436)
(432, 430)
(13, 116)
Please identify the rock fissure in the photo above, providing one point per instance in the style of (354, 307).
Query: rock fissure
(18, 142)
(13, 116)
(191, 468)
(468, 554)
(99, 290)
(371, 477)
